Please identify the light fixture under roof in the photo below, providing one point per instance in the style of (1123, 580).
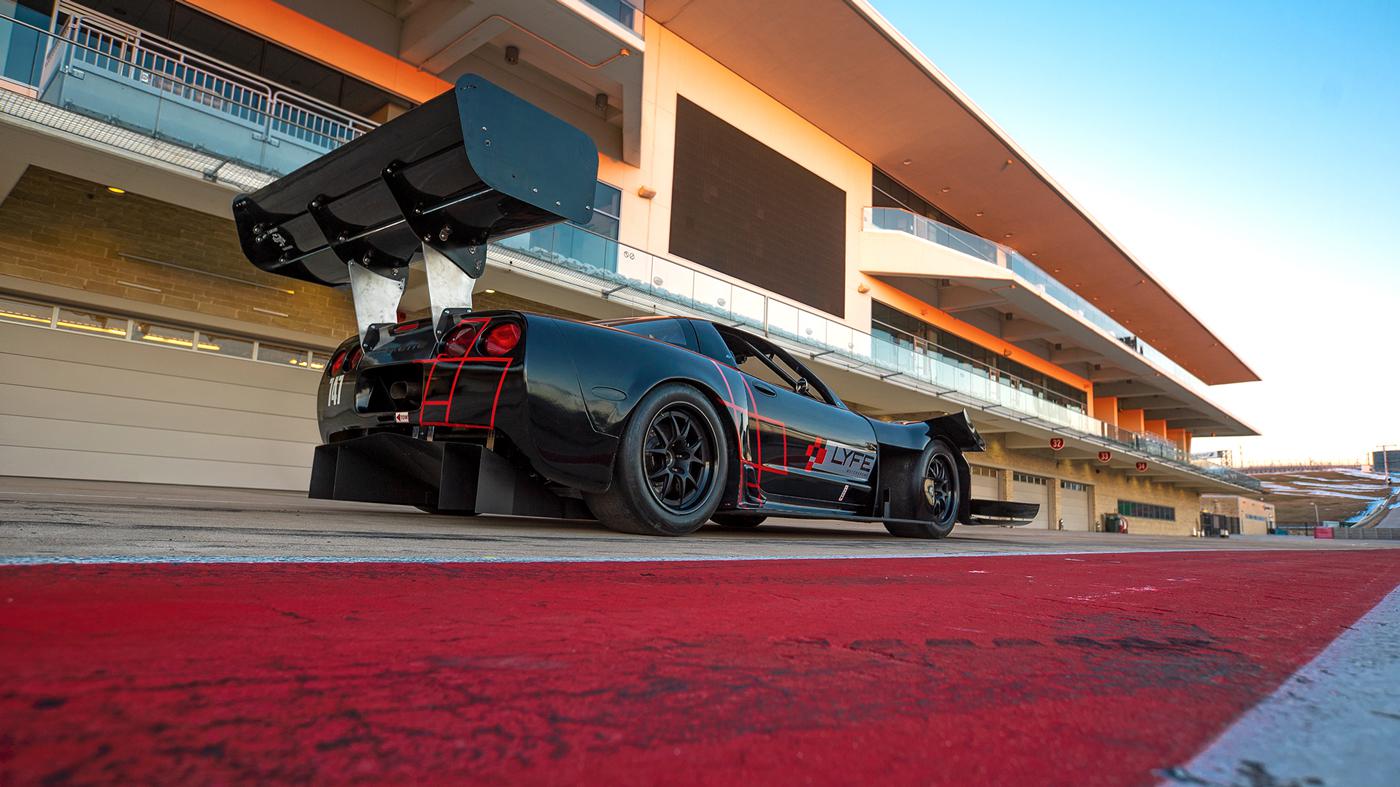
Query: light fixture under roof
(945, 189)
(981, 213)
(907, 162)
(116, 190)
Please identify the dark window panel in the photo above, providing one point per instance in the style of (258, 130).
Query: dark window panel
(363, 99)
(216, 39)
(890, 193)
(152, 15)
(288, 68)
(742, 208)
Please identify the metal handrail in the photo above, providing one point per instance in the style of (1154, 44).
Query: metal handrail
(921, 344)
(165, 66)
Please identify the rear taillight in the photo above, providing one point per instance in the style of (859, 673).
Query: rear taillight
(337, 363)
(458, 341)
(501, 339)
(353, 359)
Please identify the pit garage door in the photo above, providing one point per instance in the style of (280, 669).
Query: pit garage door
(1027, 488)
(103, 402)
(984, 483)
(1074, 505)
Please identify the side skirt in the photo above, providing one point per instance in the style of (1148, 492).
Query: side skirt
(984, 513)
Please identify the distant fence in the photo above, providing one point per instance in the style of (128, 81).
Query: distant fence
(1298, 468)
(1359, 533)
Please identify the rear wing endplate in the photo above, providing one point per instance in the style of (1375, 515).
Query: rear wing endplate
(473, 165)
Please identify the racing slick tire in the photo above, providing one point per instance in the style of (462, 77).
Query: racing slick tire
(939, 494)
(670, 468)
(738, 521)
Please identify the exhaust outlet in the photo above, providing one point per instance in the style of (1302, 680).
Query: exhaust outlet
(403, 391)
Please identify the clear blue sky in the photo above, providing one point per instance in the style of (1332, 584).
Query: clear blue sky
(1247, 153)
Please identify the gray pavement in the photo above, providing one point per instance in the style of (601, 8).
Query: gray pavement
(1392, 518)
(45, 520)
(1333, 722)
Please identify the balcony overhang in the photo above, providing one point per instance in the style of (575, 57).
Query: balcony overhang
(876, 93)
(569, 54)
(59, 146)
(934, 274)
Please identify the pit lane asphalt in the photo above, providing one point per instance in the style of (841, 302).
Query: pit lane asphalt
(45, 520)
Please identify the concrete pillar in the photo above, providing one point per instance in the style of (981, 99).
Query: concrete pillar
(1106, 409)
(1132, 420)
(1004, 484)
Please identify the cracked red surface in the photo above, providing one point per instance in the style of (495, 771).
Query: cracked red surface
(1088, 669)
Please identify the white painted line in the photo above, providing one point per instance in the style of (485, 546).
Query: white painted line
(44, 560)
(1334, 722)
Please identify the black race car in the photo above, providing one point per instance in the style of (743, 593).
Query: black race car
(652, 425)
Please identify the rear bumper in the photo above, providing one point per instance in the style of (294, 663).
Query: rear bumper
(449, 477)
(1002, 512)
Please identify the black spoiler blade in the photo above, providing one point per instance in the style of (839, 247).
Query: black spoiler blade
(472, 165)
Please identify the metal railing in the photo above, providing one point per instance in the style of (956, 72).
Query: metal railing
(900, 220)
(627, 274)
(109, 71)
(902, 338)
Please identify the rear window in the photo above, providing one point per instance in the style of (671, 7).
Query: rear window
(669, 331)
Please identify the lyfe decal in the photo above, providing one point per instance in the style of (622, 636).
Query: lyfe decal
(838, 459)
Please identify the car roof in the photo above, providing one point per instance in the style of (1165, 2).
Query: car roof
(635, 320)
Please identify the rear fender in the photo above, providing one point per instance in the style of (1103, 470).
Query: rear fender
(611, 371)
(902, 447)
(901, 481)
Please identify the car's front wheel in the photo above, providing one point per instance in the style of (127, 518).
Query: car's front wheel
(670, 468)
(939, 494)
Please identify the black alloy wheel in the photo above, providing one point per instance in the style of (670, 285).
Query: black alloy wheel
(670, 468)
(941, 487)
(938, 490)
(678, 458)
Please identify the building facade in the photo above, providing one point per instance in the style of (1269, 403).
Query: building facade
(857, 208)
(1236, 514)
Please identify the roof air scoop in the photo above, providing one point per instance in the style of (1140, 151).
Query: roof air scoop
(471, 166)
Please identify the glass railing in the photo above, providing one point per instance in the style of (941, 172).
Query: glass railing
(141, 83)
(887, 334)
(933, 231)
(953, 238)
(653, 282)
(628, 12)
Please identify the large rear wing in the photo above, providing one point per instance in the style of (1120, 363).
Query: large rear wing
(472, 165)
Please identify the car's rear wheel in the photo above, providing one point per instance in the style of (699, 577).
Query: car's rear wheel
(670, 468)
(939, 495)
(738, 521)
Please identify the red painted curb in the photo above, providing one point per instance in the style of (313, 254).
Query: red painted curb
(1044, 670)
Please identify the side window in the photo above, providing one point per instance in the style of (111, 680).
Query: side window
(669, 331)
(756, 358)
